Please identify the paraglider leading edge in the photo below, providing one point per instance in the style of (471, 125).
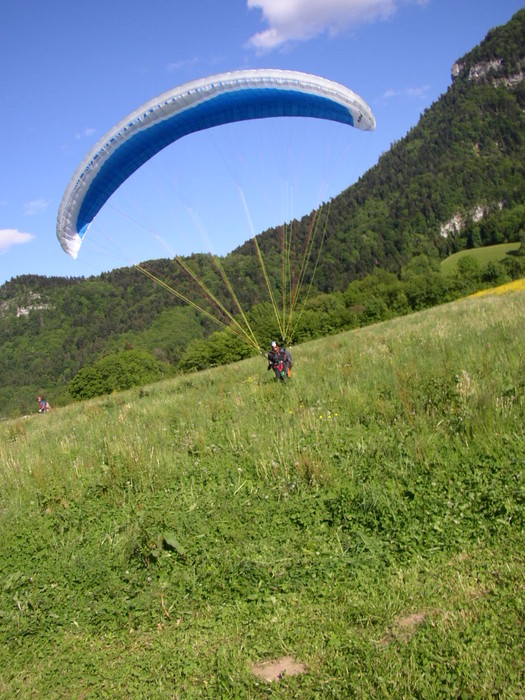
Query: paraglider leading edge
(194, 106)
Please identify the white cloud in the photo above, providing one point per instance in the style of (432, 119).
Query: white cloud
(10, 237)
(85, 133)
(179, 65)
(300, 20)
(37, 206)
(410, 92)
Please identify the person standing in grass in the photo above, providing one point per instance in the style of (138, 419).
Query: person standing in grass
(276, 361)
(44, 405)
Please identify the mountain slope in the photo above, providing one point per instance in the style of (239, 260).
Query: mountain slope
(456, 180)
(464, 160)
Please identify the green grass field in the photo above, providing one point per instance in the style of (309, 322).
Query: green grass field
(484, 255)
(363, 524)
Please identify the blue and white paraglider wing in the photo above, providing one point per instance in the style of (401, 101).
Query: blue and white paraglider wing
(202, 104)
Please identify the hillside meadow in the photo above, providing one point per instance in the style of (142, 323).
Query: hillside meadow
(483, 256)
(356, 532)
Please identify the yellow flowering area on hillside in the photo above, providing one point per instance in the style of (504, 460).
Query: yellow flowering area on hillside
(514, 286)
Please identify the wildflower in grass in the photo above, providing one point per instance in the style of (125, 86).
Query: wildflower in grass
(514, 286)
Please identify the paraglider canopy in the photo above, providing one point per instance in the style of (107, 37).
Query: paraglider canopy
(198, 105)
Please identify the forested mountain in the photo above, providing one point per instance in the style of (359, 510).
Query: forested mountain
(456, 181)
(452, 182)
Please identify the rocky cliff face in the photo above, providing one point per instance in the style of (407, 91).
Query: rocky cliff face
(499, 59)
(489, 70)
(458, 221)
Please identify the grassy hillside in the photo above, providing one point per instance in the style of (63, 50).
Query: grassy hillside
(363, 522)
(483, 256)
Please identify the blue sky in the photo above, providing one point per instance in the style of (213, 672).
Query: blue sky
(70, 71)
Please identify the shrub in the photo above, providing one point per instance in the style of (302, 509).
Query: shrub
(115, 373)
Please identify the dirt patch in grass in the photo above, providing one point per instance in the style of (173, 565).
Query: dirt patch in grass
(276, 669)
(404, 627)
(409, 622)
